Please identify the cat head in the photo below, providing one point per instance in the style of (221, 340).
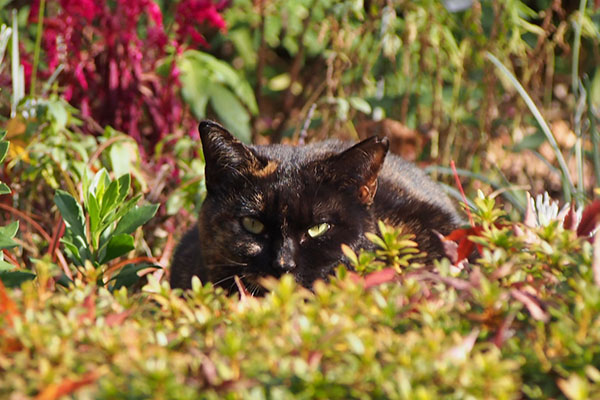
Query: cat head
(279, 209)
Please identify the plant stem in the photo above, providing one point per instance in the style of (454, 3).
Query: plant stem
(595, 136)
(576, 46)
(38, 45)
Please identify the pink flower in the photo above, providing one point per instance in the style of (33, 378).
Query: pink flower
(110, 69)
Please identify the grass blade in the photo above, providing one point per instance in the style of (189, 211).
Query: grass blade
(568, 187)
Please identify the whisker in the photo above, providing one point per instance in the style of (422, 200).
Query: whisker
(227, 265)
(224, 279)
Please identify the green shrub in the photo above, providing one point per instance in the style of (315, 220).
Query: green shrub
(522, 321)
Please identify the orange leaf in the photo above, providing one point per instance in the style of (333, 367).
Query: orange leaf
(8, 308)
(66, 387)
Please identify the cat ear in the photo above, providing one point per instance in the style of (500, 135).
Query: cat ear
(225, 156)
(360, 165)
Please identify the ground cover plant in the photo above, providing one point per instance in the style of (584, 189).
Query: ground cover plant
(101, 171)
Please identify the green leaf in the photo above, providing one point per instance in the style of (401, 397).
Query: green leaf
(242, 40)
(14, 279)
(375, 240)
(194, 82)
(221, 72)
(99, 184)
(117, 246)
(120, 157)
(72, 250)
(127, 276)
(124, 186)
(2, 134)
(58, 114)
(109, 200)
(4, 189)
(6, 266)
(9, 230)
(231, 112)
(71, 212)
(136, 218)
(124, 209)
(7, 243)
(93, 210)
(3, 149)
(530, 142)
(360, 104)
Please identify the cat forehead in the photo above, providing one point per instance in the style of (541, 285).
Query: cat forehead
(290, 157)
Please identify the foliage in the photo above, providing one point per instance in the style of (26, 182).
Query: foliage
(207, 79)
(513, 312)
(8, 274)
(111, 219)
(120, 72)
(521, 321)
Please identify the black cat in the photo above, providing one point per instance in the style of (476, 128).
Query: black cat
(280, 209)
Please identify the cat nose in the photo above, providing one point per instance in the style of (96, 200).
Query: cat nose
(285, 264)
(284, 259)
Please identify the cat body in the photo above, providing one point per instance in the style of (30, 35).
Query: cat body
(280, 209)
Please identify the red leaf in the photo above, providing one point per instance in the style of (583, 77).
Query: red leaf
(531, 304)
(89, 303)
(379, 277)
(570, 221)
(118, 318)
(374, 278)
(450, 247)
(596, 260)
(529, 220)
(589, 218)
(244, 294)
(461, 236)
(504, 332)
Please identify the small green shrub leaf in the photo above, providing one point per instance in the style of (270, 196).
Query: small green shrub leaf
(128, 276)
(4, 189)
(71, 212)
(124, 184)
(136, 218)
(15, 278)
(117, 246)
(9, 230)
(109, 200)
(3, 150)
(5, 266)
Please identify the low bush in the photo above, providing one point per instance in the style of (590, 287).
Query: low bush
(521, 321)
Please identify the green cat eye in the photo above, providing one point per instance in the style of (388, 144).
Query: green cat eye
(253, 225)
(318, 230)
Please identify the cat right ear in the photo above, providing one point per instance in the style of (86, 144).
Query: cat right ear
(225, 156)
(359, 166)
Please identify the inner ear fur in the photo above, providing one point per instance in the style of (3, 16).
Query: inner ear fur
(225, 156)
(360, 165)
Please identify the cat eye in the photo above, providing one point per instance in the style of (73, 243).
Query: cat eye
(253, 225)
(318, 230)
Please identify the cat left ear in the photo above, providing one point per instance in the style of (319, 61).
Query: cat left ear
(360, 165)
(225, 156)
